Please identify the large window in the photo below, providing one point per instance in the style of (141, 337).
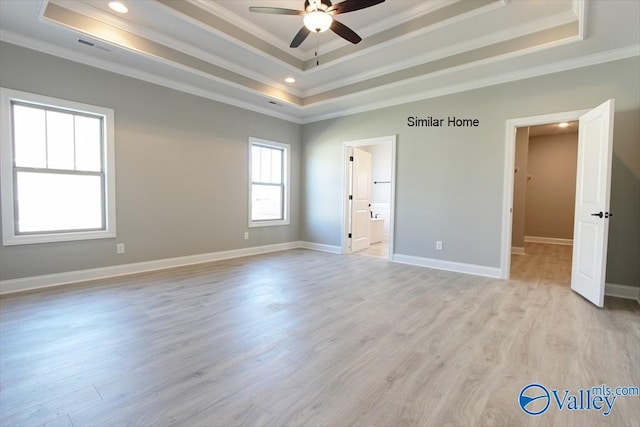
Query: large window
(56, 169)
(269, 189)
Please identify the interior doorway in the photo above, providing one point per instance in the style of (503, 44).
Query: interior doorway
(369, 197)
(593, 190)
(544, 202)
(510, 165)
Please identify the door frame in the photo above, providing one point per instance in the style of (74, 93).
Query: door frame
(509, 166)
(346, 178)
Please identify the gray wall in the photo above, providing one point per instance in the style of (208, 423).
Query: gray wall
(182, 181)
(181, 169)
(520, 187)
(551, 192)
(450, 180)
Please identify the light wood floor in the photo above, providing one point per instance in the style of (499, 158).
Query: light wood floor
(377, 250)
(309, 338)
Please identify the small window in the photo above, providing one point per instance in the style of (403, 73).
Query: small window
(57, 161)
(269, 188)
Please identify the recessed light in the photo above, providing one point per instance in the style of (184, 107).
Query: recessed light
(118, 7)
(290, 80)
(563, 124)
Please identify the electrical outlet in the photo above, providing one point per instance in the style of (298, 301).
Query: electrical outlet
(246, 235)
(119, 248)
(438, 245)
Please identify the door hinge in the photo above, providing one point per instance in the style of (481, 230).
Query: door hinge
(351, 158)
(350, 196)
(349, 235)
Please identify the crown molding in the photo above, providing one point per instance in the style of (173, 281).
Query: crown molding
(305, 113)
(113, 21)
(71, 55)
(466, 46)
(556, 67)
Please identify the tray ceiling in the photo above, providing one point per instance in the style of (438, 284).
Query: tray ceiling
(410, 49)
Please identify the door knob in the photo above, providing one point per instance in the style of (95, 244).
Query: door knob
(599, 214)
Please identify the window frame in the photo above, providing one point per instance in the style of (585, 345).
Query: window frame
(286, 167)
(8, 185)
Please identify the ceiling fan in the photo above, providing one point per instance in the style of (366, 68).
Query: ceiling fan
(318, 17)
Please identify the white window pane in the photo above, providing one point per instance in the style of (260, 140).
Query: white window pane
(29, 139)
(88, 141)
(276, 167)
(55, 202)
(265, 165)
(266, 202)
(255, 163)
(60, 140)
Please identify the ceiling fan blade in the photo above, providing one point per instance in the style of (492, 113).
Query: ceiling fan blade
(299, 38)
(276, 10)
(345, 32)
(351, 5)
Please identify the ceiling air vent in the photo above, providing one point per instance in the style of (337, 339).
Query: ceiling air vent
(92, 44)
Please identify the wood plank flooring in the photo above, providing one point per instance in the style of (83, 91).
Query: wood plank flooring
(308, 338)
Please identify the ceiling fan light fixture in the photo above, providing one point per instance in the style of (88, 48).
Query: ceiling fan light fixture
(318, 21)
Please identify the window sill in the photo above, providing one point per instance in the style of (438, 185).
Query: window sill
(26, 239)
(254, 224)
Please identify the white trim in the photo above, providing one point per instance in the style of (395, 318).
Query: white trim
(508, 177)
(622, 291)
(466, 46)
(347, 145)
(580, 10)
(548, 240)
(60, 279)
(495, 79)
(304, 114)
(51, 280)
(78, 56)
(457, 267)
(517, 250)
(321, 247)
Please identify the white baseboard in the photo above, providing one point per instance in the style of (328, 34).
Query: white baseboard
(622, 291)
(548, 240)
(50, 280)
(321, 247)
(458, 267)
(517, 250)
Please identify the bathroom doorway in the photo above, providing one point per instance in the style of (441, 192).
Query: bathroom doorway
(369, 197)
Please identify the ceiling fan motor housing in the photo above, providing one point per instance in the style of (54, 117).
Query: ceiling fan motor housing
(319, 5)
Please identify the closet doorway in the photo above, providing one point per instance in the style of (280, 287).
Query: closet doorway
(544, 202)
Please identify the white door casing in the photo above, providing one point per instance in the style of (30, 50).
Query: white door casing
(593, 185)
(361, 203)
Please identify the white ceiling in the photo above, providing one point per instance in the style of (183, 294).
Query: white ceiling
(410, 49)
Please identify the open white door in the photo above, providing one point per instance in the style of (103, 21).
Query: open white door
(361, 192)
(593, 184)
